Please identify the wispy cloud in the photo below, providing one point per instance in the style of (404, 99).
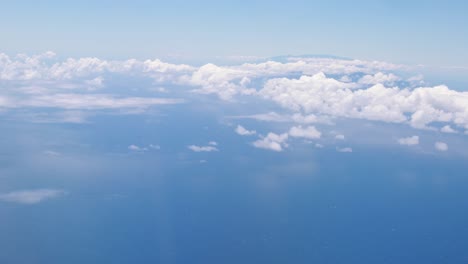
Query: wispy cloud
(209, 148)
(345, 150)
(31, 196)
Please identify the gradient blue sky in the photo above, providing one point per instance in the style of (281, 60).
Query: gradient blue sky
(416, 32)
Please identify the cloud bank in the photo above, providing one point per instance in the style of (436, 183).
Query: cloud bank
(308, 89)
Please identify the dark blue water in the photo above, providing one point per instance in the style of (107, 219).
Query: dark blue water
(244, 205)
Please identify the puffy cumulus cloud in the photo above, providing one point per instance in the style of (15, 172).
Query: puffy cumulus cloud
(441, 146)
(309, 132)
(272, 141)
(229, 81)
(409, 141)
(209, 148)
(244, 132)
(42, 81)
(31, 196)
(277, 142)
(418, 107)
(314, 88)
(42, 67)
(223, 81)
(304, 93)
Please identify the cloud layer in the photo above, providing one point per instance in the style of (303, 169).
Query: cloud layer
(308, 89)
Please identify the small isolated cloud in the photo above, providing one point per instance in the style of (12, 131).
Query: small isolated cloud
(152, 146)
(213, 143)
(136, 148)
(31, 196)
(318, 145)
(340, 137)
(441, 146)
(409, 141)
(272, 141)
(309, 132)
(195, 148)
(448, 129)
(142, 149)
(345, 150)
(244, 132)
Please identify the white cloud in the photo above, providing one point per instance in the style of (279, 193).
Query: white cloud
(95, 83)
(379, 78)
(152, 146)
(40, 67)
(202, 148)
(213, 143)
(345, 150)
(244, 132)
(309, 132)
(136, 148)
(441, 146)
(409, 141)
(31, 196)
(418, 107)
(272, 141)
(340, 137)
(93, 101)
(448, 129)
(42, 79)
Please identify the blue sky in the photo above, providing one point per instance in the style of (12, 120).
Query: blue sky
(416, 32)
(216, 132)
